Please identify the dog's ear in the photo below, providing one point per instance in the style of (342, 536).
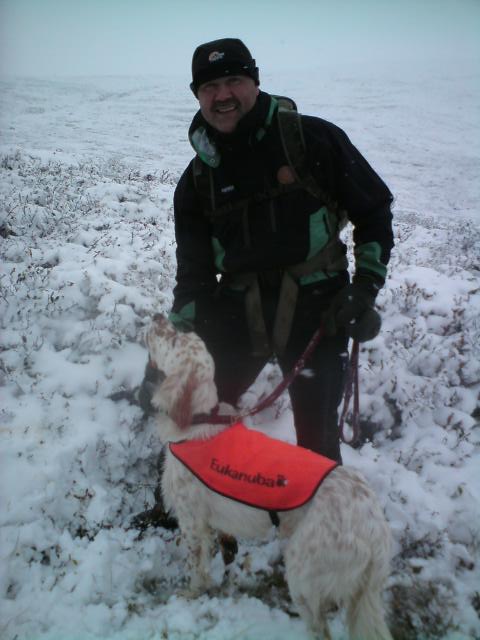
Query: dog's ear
(175, 396)
(181, 411)
(159, 338)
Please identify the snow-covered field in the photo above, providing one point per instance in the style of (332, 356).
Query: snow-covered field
(88, 168)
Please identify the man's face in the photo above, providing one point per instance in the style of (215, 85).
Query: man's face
(224, 101)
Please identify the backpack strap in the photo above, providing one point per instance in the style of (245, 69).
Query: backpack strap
(203, 182)
(295, 150)
(293, 142)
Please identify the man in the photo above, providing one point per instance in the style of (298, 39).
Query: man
(259, 262)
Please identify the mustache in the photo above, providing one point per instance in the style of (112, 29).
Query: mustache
(231, 102)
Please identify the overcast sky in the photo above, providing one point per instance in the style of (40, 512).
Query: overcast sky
(85, 37)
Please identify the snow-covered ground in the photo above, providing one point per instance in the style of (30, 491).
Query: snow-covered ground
(88, 168)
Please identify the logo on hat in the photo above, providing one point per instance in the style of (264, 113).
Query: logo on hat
(215, 55)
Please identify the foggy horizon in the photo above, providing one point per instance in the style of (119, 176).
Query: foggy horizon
(47, 38)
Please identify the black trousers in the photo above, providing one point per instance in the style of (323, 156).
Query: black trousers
(315, 397)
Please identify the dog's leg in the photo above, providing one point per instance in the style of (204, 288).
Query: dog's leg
(365, 611)
(199, 542)
(310, 576)
(365, 615)
(315, 620)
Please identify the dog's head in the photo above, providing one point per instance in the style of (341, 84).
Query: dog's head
(188, 385)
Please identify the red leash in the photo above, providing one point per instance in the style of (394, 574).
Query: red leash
(216, 418)
(287, 381)
(351, 384)
(351, 387)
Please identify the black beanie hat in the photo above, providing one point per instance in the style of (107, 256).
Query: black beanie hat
(225, 57)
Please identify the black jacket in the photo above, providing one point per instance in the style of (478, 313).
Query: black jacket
(280, 231)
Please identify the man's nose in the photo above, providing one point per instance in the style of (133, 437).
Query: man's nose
(224, 92)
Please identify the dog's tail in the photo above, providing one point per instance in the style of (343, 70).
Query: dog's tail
(365, 612)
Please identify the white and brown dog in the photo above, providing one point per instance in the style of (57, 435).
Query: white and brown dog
(337, 546)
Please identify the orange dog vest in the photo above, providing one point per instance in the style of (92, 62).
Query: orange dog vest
(254, 469)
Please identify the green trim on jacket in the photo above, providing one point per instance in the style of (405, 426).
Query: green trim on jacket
(185, 318)
(367, 258)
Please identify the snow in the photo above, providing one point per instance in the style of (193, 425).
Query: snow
(88, 168)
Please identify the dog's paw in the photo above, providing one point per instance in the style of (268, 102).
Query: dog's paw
(197, 586)
(191, 593)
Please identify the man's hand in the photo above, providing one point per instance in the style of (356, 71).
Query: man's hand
(353, 310)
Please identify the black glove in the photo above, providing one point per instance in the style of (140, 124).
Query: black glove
(152, 378)
(352, 309)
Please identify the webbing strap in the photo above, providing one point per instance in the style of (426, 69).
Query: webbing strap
(275, 520)
(255, 319)
(256, 198)
(330, 258)
(287, 302)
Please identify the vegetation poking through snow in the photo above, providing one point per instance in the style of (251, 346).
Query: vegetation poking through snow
(87, 250)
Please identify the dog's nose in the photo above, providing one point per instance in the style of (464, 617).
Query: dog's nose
(154, 373)
(160, 376)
